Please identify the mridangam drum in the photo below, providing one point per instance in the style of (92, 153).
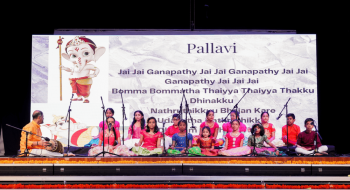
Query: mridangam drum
(55, 146)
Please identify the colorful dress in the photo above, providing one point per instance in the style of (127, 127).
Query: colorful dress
(135, 136)
(180, 141)
(233, 146)
(107, 142)
(169, 134)
(259, 145)
(212, 130)
(218, 142)
(149, 145)
(269, 130)
(226, 127)
(206, 145)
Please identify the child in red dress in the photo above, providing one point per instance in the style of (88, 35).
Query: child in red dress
(206, 143)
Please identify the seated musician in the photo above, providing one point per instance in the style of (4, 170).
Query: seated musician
(293, 130)
(305, 142)
(35, 145)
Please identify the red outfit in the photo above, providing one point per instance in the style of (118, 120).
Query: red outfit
(269, 130)
(171, 131)
(150, 141)
(206, 147)
(306, 139)
(233, 142)
(212, 130)
(227, 127)
(293, 132)
(80, 89)
(111, 138)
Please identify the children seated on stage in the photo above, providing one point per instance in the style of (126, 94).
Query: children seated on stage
(150, 140)
(258, 138)
(172, 130)
(179, 139)
(134, 132)
(234, 142)
(293, 130)
(306, 141)
(206, 143)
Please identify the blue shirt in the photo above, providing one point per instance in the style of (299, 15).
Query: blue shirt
(180, 142)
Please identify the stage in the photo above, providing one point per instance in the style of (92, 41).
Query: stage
(175, 172)
(176, 166)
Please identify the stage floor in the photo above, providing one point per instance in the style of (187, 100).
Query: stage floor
(176, 166)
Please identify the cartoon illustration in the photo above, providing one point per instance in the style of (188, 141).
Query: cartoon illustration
(81, 51)
(58, 130)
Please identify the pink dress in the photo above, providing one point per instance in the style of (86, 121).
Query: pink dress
(108, 143)
(269, 130)
(116, 125)
(150, 141)
(111, 137)
(227, 127)
(136, 132)
(233, 146)
(212, 130)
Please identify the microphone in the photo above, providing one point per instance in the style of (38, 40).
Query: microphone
(46, 139)
(193, 127)
(279, 116)
(109, 126)
(254, 130)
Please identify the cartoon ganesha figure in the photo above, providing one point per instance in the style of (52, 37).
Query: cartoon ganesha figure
(81, 51)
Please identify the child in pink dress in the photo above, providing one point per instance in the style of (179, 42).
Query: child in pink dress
(134, 132)
(226, 127)
(110, 113)
(234, 142)
(110, 140)
(150, 139)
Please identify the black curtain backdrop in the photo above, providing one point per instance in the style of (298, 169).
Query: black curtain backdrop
(329, 22)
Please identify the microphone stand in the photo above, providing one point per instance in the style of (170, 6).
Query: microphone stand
(236, 106)
(124, 116)
(180, 112)
(254, 145)
(68, 117)
(164, 152)
(279, 116)
(187, 111)
(315, 141)
(26, 151)
(103, 133)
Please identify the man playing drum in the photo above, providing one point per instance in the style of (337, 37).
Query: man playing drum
(35, 145)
